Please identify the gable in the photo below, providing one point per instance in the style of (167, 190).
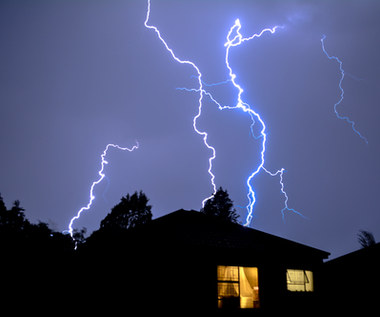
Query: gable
(192, 229)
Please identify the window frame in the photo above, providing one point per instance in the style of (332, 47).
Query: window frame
(237, 282)
(307, 279)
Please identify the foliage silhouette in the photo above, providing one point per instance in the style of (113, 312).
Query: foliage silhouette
(79, 236)
(366, 239)
(220, 205)
(131, 212)
(12, 219)
(36, 262)
(3, 208)
(18, 234)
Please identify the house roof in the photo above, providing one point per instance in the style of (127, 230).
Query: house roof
(362, 256)
(195, 229)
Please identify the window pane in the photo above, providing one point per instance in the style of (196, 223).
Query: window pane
(299, 280)
(310, 283)
(228, 289)
(238, 287)
(228, 273)
(249, 287)
(228, 286)
(228, 295)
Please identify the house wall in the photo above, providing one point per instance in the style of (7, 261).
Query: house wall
(161, 270)
(350, 283)
(273, 292)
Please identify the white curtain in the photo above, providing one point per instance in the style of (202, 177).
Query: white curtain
(249, 287)
(228, 274)
(242, 282)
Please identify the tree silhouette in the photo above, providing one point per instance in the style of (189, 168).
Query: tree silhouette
(3, 208)
(131, 212)
(12, 220)
(79, 236)
(18, 234)
(220, 205)
(366, 239)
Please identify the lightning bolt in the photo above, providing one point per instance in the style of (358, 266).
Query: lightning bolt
(286, 207)
(101, 177)
(234, 38)
(344, 118)
(203, 134)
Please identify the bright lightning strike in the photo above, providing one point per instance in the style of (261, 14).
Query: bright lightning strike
(101, 177)
(286, 207)
(200, 100)
(344, 118)
(235, 38)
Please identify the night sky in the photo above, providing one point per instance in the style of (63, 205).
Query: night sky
(77, 75)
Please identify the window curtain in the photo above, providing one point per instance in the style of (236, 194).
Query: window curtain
(249, 290)
(240, 283)
(228, 274)
(300, 280)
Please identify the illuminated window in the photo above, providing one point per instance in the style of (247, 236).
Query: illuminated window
(299, 281)
(238, 287)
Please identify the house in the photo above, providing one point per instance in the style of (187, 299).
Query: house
(351, 282)
(189, 261)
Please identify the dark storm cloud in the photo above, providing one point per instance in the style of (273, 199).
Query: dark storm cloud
(77, 75)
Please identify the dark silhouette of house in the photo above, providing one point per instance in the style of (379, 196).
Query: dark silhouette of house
(187, 261)
(351, 282)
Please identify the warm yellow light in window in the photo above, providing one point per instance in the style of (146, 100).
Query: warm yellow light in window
(299, 280)
(228, 273)
(238, 287)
